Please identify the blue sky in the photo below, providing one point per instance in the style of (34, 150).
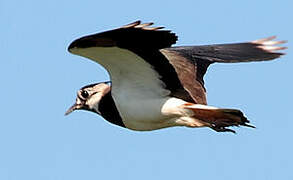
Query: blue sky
(40, 78)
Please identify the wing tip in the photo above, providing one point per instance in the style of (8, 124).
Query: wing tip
(148, 27)
(270, 45)
(133, 24)
(145, 26)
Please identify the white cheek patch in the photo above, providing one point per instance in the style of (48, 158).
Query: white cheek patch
(93, 101)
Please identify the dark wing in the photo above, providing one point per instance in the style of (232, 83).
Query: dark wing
(145, 41)
(134, 35)
(190, 73)
(137, 35)
(181, 69)
(191, 62)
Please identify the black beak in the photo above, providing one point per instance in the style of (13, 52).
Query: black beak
(73, 108)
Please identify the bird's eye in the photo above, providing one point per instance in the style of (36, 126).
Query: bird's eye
(84, 94)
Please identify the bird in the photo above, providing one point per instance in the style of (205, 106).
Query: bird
(155, 85)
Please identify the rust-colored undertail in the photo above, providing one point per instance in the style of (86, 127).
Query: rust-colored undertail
(218, 119)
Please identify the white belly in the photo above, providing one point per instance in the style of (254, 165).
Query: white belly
(155, 114)
(139, 114)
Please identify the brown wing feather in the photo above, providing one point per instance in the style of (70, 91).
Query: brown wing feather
(188, 73)
(191, 62)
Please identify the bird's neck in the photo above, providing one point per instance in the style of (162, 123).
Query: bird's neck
(109, 111)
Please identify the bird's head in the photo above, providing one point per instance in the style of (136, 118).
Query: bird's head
(89, 96)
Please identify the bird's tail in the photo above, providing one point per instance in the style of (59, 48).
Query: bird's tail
(216, 118)
(258, 50)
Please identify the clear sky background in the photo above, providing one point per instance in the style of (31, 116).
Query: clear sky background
(39, 80)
